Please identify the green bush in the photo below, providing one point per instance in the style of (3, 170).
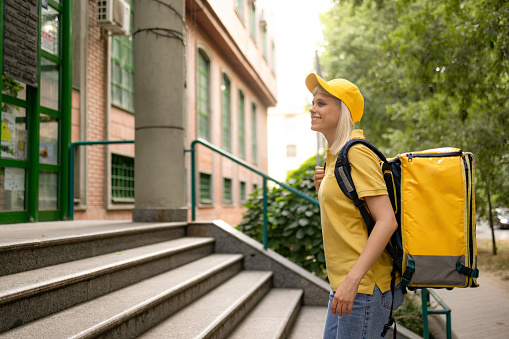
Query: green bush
(409, 313)
(294, 228)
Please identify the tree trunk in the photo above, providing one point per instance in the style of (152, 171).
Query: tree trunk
(490, 214)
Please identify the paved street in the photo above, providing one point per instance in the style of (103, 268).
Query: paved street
(479, 312)
(484, 232)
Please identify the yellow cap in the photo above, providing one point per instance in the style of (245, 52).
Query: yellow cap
(342, 89)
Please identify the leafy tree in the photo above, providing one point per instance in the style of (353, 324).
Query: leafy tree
(294, 228)
(434, 74)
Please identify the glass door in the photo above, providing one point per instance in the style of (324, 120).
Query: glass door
(36, 114)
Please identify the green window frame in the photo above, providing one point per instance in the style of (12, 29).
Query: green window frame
(203, 95)
(252, 20)
(273, 57)
(122, 69)
(264, 43)
(243, 192)
(254, 133)
(33, 164)
(242, 126)
(205, 188)
(226, 113)
(227, 191)
(240, 5)
(122, 178)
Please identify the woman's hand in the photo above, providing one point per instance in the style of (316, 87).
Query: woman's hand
(344, 297)
(319, 174)
(385, 224)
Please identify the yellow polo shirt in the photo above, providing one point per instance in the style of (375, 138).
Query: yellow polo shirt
(344, 231)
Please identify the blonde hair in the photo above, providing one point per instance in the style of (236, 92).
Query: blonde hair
(345, 122)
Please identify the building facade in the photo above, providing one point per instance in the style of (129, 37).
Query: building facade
(292, 141)
(84, 91)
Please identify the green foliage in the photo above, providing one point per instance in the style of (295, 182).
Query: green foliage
(433, 74)
(294, 228)
(409, 313)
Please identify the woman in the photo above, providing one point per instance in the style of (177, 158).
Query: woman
(358, 268)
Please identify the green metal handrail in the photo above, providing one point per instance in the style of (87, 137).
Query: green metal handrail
(425, 294)
(249, 167)
(71, 166)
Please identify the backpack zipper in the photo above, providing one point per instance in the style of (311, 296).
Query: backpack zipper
(410, 156)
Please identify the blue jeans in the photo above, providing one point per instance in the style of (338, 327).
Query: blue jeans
(369, 315)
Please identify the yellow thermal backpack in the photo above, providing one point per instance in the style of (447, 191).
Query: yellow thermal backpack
(432, 194)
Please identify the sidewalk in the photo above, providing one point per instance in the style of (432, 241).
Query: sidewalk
(481, 312)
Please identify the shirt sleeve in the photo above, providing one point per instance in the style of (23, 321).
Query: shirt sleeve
(366, 172)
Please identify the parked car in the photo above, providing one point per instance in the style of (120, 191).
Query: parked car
(501, 218)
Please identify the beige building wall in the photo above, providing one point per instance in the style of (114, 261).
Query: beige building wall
(227, 50)
(217, 28)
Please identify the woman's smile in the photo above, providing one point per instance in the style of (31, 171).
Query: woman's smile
(324, 115)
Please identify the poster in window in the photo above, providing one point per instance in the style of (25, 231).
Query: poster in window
(47, 42)
(21, 144)
(14, 179)
(9, 136)
(47, 153)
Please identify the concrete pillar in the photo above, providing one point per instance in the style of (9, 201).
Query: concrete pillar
(159, 89)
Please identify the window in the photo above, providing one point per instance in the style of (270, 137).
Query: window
(122, 69)
(227, 191)
(122, 178)
(252, 19)
(291, 150)
(264, 42)
(205, 188)
(255, 187)
(242, 126)
(254, 129)
(240, 5)
(226, 113)
(273, 57)
(203, 96)
(243, 193)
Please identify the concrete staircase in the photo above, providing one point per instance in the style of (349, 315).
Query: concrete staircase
(86, 279)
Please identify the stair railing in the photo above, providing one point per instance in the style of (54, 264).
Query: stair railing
(427, 309)
(249, 167)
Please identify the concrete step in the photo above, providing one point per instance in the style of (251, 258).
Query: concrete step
(31, 295)
(27, 247)
(217, 312)
(130, 311)
(273, 317)
(310, 323)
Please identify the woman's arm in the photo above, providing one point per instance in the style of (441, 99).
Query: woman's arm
(385, 224)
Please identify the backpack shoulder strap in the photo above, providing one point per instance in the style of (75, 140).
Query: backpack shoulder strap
(342, 172)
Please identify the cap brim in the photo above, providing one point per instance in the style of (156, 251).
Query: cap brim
(313, 80)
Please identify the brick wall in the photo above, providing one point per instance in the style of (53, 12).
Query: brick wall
(121, 126)
(96, 94)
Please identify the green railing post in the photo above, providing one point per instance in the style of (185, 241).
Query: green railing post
(193, 183)
(265, 230)
(448, 325)
(427, 310)
(72, 148)
(425, 301)
(70, 205)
